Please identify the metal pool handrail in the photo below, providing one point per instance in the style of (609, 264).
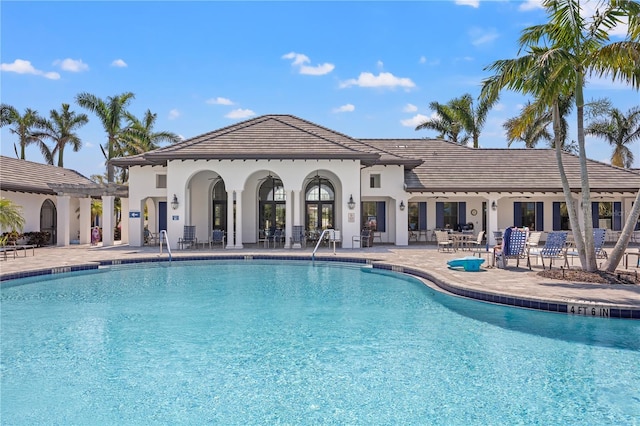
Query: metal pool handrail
(326, 231)
(165, 236)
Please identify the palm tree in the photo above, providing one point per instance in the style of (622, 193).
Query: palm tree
(60, 129)
(111, 113)
(471, 117)
(560, 54)
(141, 137)
(10, 215)
(25, 128)
(530, 133)
(620, 131)
(445, 122)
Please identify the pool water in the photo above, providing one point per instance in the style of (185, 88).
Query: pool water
(296, 343)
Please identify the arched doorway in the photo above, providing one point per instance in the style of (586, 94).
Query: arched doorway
(49, 220)
(319, 204)
(271, 202)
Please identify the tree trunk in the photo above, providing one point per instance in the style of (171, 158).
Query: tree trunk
(623, 242)
(566, 189)
(590, 251)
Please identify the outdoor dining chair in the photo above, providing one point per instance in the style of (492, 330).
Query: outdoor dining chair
(188, 237)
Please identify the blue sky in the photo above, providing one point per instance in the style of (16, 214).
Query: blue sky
(368, 69)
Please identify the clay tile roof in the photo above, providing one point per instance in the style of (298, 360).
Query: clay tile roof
(269, 137)
(451, 167)
(26, 176)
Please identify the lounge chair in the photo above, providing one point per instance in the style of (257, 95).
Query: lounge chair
(514, 246)
(554, 248)
(599, 235)
(188, 237)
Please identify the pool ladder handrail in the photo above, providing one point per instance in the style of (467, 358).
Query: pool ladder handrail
(326, 231)
(164, 236)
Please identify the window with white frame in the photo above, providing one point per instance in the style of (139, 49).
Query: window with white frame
(374, 181)
(161, 181)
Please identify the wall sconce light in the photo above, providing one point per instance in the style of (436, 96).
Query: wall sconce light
(401, 205)
(351, 204)
(494, 206)
(174, 202)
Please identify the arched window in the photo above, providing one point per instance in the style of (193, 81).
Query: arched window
(320, 204)
(271, 200)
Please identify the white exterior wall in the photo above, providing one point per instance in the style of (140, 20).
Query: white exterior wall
(191, 181)
(392, 192)
(31, 205)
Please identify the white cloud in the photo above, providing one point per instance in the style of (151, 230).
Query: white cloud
(21, 66)
(481, 36)
(240, 113)
(530, 5)
(345, 108)
(71, 65)
(301, 61)
(498, 107)
(219, 101)
(414, 121)
(423, 60)
(384, 79)
(472, 3)
(119, 63)
(410, 108)
(173, 114)
(463, 58)
(380, 64)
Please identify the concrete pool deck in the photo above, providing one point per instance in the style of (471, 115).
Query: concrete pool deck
(519, 283)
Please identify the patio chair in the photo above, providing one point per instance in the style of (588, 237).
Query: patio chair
(363, 240)
(599, 236)
(534, 239)
(276, 237)
(444, 241)
(554, 248)
(514, 246)
(477, 244)
(217, 237)
(188, 237)
(299, 236)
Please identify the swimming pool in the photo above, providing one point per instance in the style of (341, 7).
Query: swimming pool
(296, 343)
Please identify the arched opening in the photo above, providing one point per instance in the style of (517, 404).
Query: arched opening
(49, 220)
(271, 202)
(319, 204)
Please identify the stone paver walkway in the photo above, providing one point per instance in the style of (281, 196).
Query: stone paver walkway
(515, 282)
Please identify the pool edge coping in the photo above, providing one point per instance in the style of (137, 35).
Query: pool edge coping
(598, 309)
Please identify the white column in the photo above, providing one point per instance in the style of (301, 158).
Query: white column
(297, 217)
(402, 222)
(135, 225)
(63, 209)
(238, 219)
(107, 220)
(85, 220)
(288, 218)
(124, 223)
(230, 222)
(492, 220)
